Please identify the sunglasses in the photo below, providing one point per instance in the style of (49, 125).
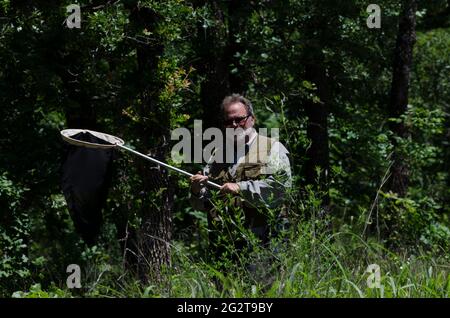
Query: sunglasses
(238, 121)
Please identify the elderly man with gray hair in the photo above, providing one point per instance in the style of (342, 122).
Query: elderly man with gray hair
(257, 177)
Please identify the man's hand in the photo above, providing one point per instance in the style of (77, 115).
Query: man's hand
(232, 188)
(197, 182)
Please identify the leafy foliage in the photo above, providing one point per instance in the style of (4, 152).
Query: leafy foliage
(52, 77)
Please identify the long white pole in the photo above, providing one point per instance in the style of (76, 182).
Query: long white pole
(209, 183)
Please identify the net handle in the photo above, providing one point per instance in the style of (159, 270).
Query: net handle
(209, 183)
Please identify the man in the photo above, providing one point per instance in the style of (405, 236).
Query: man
(257, 177)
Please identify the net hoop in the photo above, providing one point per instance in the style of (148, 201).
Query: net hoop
(112, 141)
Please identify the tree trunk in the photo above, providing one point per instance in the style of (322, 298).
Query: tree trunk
(399, 94)
(153, 238)
(317, 131)
(212, 64)
(217, 47)
(238, 13)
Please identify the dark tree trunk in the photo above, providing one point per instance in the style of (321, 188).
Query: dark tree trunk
(218, 64)
(68, 64)
(238, 12)
(317, 130)
(212, 65)
(153, 238)
(320, 31)
(79, 111)
(399, 94)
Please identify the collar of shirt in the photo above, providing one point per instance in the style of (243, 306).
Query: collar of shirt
(251, 138)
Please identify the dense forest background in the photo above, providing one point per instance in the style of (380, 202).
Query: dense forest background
(363, 111)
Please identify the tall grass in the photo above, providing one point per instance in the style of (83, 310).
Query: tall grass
(313, 262)
(316, 257)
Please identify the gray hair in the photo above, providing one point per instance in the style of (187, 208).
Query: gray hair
(237, 98)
